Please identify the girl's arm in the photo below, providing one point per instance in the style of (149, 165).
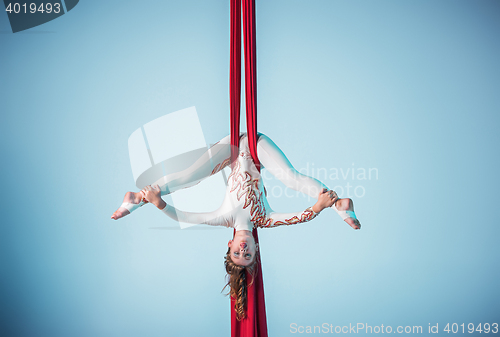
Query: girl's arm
(216, 218)
(207, 218)
(273, 219)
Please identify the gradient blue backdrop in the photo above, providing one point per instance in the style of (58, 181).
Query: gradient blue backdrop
(409, 88)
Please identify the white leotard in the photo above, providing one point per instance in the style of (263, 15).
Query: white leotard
(245, 204)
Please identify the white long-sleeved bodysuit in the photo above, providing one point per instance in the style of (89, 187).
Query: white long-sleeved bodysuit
(245, 204)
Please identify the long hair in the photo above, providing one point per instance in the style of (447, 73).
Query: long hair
(238, 283)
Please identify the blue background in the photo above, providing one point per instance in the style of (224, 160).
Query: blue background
(409, 88)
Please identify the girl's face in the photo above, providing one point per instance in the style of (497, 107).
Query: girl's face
(243, 248)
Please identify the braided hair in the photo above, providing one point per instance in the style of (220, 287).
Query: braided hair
(238, 283)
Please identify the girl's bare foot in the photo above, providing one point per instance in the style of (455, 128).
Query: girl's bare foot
(130, 197)
(346, 204)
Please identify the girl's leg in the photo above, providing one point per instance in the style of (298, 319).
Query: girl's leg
(212, 161)
(275, 161)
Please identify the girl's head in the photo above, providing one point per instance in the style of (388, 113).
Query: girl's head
(240, 261)
(238, 282)
(242, 248)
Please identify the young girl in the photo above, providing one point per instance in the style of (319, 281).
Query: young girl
(245, 205)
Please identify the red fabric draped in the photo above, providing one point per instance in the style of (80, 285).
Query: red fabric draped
(235, 77)
(250, 76)
(254, 324)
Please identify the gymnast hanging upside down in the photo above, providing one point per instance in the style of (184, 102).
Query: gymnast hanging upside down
(245, 205)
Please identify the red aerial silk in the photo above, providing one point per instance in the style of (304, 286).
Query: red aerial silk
(254, 324)
(250, 75)
(235, 77)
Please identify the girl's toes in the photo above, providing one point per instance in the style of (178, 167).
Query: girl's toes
(120, 213)
(358, 224)
(354, 223)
